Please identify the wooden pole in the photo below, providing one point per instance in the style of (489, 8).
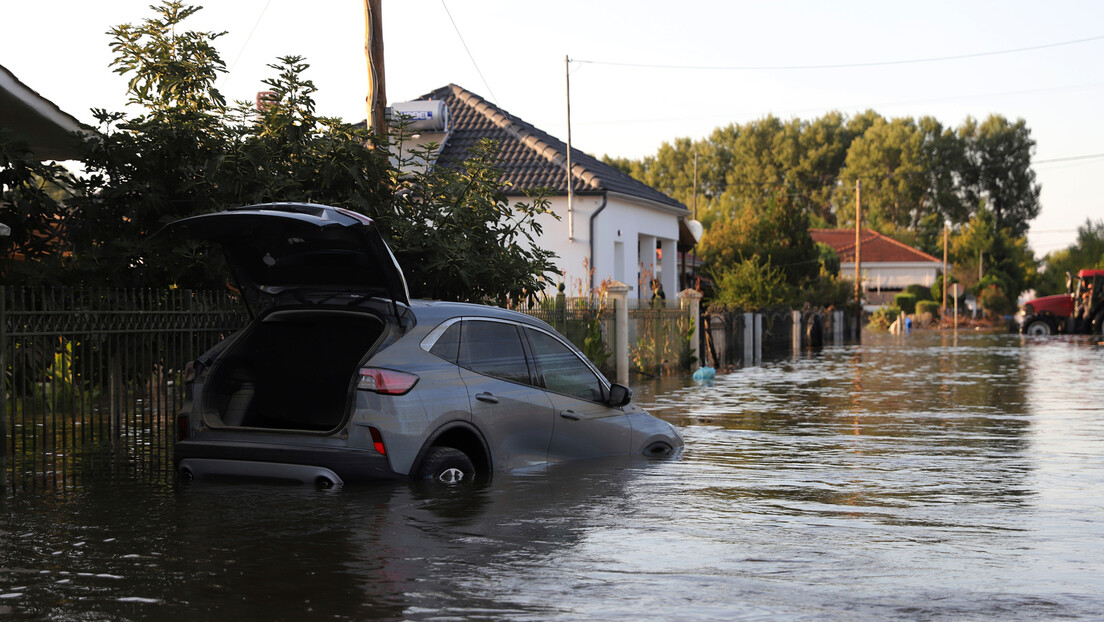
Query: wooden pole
(373, 53)
(858, 243)
(946, 277)
(570, 190)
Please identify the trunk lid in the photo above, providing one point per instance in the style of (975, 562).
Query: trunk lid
(280, 249)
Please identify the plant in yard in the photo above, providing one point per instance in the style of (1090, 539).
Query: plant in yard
(883, 317)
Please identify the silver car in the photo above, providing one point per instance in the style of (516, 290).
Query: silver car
(340, 377)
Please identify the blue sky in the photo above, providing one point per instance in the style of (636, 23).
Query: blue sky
(59, 48)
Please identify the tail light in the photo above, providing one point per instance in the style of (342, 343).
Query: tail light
(181, 427)
(386, 381)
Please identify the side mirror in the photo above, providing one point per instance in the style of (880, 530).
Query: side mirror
(619, 395)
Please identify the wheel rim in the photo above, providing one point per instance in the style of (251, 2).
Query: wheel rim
(451, 475)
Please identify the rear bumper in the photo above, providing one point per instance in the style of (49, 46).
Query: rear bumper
(205, 459)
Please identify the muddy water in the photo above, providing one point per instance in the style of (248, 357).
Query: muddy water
(907, 478)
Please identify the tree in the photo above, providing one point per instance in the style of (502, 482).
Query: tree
(998, 170)
(775, 230)
(33, 211)
(984, 256)
(1086, 252)
(189, 153)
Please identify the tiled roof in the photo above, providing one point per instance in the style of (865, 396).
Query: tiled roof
(876, 248)
(532, 158)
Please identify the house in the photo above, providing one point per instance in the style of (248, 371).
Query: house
(47, 129)
(888, 266)
(618, 227)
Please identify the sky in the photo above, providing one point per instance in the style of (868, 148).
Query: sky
(645, 72)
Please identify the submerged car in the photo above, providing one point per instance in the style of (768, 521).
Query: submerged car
(340, 377)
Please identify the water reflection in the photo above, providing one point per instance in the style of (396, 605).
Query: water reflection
(901, 479)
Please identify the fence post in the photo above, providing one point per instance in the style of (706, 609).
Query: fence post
(796, 332)
(619, 294)
(3, 389)
(749, 338)
(560, 323)
(692, 298)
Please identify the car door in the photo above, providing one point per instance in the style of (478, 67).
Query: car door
(514, 416)
(584, 426)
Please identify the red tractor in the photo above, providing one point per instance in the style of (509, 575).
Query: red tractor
(1079, 311)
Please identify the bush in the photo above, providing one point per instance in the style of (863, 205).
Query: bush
(921, 292)
(995, 303)
(883, 317)
(751, 284)
(937, 288)
(906, 302)
(928, 306)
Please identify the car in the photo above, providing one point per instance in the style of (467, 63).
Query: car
(339, 377)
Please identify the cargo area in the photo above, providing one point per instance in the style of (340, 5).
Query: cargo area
(293, 371)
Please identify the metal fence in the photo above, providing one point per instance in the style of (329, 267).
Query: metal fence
(586, 322)
(658, 331)
(93, 377)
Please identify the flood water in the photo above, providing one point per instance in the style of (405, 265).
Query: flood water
(911, 477)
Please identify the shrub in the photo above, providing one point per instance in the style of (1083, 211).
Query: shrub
(994, 301)
(928, 306)
(883, 317)
(921, 292)
(906, 302)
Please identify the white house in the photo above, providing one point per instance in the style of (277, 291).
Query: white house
(47, 129)
(617, 226)
(888, 266)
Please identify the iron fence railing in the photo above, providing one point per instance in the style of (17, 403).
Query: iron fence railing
(95, 375)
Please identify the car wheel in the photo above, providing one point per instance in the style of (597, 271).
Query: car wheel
(1038, 328)
(447, 466)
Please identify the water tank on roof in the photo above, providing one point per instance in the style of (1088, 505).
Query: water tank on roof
(422, 116)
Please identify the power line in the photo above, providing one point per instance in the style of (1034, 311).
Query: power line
(1070, 158)
(464, 43)
(245, 44)
(933, 59)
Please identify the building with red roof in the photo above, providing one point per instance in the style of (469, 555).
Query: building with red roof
(888, 266)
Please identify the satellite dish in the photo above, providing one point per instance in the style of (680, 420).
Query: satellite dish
(695, 228)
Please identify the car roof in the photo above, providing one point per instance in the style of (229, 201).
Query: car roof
(435, 311)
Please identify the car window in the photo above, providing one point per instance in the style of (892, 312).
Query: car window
(562, 370)
(494, 349)
(448, 344)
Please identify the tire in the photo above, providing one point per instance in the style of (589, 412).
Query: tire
(1098, 324)
(446, 465)
(1038, 327)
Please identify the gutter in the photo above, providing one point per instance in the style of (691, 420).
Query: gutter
(593, 216)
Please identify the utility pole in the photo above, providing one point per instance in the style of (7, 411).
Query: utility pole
(946, 231)
(570, 190)
(373, 52)
(858, 242)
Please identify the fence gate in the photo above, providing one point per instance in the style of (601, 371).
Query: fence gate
(93, 377)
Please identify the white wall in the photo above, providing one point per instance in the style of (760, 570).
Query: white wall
(893, 275)
(623, 221)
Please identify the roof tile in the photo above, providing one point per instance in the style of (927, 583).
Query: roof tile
(531, 158)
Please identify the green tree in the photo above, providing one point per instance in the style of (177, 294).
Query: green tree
(985, 256)
(1086, 252)
(776, 230)
(751, 284)
(30, 196)
(187, 153)
(998, 170)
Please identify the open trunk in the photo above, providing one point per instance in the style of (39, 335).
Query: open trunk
(293, 370)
